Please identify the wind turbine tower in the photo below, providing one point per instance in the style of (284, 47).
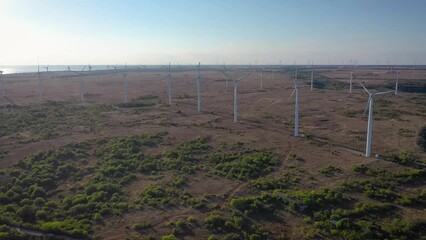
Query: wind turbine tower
(296, 108)
(169, 85)
(125, 84)
(312, 76)
(82, 86)
(350, 80)
(370, 105)
(40, 90)
(396, 85)
(140, 75)
(2, 84)
(198, 88)
(236, 94)
(226, 76)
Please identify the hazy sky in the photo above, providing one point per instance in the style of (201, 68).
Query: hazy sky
(212, 31)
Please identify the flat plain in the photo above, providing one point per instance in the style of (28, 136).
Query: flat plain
(103, 169)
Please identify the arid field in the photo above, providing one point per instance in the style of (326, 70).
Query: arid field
(103, 169)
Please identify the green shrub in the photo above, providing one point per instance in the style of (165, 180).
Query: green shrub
(330, 170)
(214, 222)
(141, 226)
(169, 237)
(421, 138)
(243, 165)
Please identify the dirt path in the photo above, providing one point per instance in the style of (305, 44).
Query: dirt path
(39, 233)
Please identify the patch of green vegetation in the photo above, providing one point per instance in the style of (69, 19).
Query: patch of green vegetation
(235, 226)
(184, 159)
(311, 201)
(161, 196)
(364, 221)
(421, 138)
(404, 176)
(141, 102)
(404, 158)
(353, 113)
(243, 165)
(282, 181)
(33, 197)
(405, 132)
(3, 153)
(322, 82)
(373, 189)
(140, 226)
(330, 170)
(413, 200)
(50, 119)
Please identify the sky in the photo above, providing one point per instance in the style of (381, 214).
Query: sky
(212, 32)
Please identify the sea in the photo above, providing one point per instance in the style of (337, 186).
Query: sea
(12, 69)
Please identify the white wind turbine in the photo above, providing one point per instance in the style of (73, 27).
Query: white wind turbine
(140, 75)
(82, 85)
(396, 85)
(40, 87)
(68, 69)
(198, 88)
(125, 84)
(350, 80)
(296, 108)
(2, 83)
(226, 76)
(169, 85)
(369, 106)
(236, 94)
(312, 76)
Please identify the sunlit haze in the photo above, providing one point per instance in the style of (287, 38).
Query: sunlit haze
(213, 32)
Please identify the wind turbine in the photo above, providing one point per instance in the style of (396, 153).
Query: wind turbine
(369, 106)
(198, 88)
(140, 75)
(396, 85)
(312, 76)
(82, 86)
(226, 76)
(2, 83)
(169, 85)
(68, 69)
(40, 87)
(296, 108)
(236, 94)
(125, 84)
(350, 80)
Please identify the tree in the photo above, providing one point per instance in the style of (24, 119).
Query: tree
(27, 213)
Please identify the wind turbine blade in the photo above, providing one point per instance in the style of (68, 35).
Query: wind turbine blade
(294, 90)
(366, 106)
(229, 77)
(364, 88)
(240, 78)
(381, 93)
